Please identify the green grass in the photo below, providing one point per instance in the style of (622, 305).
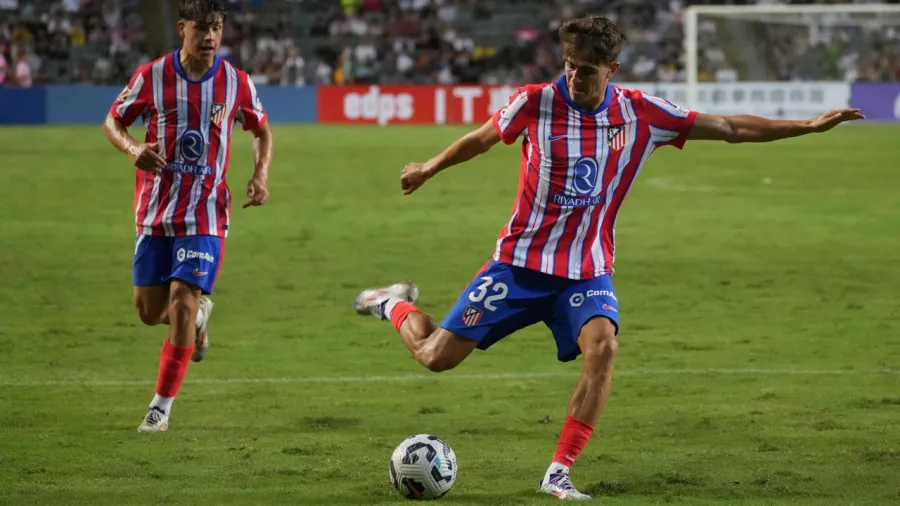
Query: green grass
(759, 318)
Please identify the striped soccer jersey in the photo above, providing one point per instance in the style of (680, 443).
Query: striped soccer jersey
(193, 122)
(576, 169)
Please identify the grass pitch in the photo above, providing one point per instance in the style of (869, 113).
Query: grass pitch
(758, 355)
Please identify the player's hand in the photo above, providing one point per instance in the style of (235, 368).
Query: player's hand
(833, 118)
(257, 193)
(413, 176)
(146, 157)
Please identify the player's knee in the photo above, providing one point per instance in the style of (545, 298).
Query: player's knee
(148, 316)
(183, 300)
(598, 341)
(438, 363)
(444, 351)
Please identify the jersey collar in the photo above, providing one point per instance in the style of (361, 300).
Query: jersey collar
(209, 73)
(563, 89)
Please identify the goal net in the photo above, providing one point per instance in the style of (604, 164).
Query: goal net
(786, 61)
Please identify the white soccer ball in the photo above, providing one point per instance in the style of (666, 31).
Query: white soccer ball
(423, 467)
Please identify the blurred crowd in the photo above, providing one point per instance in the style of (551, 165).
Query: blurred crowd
(299, 42)
(95, 41)
(847, 53)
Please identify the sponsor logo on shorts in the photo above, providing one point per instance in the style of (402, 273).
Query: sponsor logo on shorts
(471, 316)
(183, 254)
(577, 299)
(199, 274)
(602, 293)
(607, 307)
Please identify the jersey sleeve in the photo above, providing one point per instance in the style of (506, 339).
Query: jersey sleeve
(669, 123)
(513, 118)
(251, 113)
(134, 99)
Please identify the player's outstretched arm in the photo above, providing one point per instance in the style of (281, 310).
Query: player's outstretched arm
(463, 149)
(747, 128)
(144, 155)
(263, 146)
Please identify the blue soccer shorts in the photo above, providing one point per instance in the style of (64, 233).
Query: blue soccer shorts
(193, 259)
(503, 299)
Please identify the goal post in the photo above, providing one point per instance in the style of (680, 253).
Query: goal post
(812, 22)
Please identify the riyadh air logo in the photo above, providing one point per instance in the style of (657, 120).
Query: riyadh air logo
(192, 145)
(586, 173)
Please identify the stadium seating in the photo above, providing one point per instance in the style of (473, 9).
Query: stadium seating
(297, 42)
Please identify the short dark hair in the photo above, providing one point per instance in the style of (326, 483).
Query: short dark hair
(593, 38)
(204, 11)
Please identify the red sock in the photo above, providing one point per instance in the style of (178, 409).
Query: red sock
(400, 312)
(173, 363)
(574, 436)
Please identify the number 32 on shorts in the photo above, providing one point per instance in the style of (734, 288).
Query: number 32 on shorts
(498, 291)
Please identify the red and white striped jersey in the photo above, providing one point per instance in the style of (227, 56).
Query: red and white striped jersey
(576, 169)
(193, 122)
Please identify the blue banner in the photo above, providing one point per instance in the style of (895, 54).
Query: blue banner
(79, 105)
(88, 105)
(878, 101)
(289, 104)
(22, 106)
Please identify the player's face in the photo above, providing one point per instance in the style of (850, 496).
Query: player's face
(587, 81)
(202, 38)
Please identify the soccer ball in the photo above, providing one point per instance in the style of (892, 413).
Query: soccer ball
(423, 467)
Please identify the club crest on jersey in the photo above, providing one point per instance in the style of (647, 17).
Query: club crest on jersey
(616, 136)
(217, 113)
(471, 316)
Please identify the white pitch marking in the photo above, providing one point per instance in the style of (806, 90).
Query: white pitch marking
(453, 377)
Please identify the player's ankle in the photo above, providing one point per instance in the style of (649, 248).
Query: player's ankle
(400, 311)
(164, 404)
(556, 465)
(387, 307)
(555, 468)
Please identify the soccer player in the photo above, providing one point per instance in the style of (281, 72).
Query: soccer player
(189, 101)
(584, 142)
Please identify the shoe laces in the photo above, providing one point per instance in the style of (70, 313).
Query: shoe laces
(562, 481)
(154, 417)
